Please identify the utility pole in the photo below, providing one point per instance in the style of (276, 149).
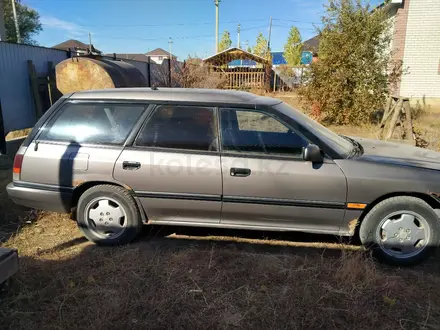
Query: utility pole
(238, 31)
(270, 33)
(90, 42)
(246, 45)
(170, 43)
(2, 22)
(216, 2)
(17, 29)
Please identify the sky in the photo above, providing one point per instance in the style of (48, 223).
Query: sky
(139, 26)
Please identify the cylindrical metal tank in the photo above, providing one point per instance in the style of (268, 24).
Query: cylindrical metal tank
(84, 73)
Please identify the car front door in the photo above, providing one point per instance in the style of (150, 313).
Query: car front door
(174, 165)
(266, 182)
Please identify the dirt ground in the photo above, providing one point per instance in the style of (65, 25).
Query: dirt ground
(183, 278)
(201, 279)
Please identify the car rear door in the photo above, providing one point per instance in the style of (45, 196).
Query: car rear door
(267, 183)
(81, 142)
(174, 167)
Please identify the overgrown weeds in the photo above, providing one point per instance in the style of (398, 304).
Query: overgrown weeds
(196, 75)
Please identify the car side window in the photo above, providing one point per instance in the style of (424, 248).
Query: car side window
(93, 123)
(180, 127)
(258, 132)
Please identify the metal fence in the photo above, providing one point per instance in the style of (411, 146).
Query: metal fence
(154, 73)
(16, 97)
(15, 91)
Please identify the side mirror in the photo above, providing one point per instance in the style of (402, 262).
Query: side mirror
(313, 154)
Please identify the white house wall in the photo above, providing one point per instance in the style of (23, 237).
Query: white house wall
(422, 50)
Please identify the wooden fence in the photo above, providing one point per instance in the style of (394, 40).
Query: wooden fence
(244, 80)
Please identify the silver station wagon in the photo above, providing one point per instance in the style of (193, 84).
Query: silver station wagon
(121, 158)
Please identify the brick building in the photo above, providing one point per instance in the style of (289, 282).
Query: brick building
(416, 42)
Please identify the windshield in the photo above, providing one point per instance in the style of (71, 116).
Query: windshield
(339, 144)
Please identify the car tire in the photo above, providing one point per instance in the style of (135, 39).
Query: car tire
(108, 215)
(394, 237)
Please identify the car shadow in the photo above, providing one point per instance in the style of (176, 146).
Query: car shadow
(65, 173)
(266, 239)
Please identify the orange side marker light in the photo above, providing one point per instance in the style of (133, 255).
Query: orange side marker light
(358, 206)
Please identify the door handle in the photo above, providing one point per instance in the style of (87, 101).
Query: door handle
(131, 166)
(240, 172)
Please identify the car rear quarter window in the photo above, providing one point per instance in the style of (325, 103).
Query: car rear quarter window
(180, 127)
(93, 123)
(258, 132)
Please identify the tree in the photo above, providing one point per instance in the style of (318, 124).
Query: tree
(225, 41)
(260, 47)
(350, 80)
(293, 47)
(28, 22)
(249, 49)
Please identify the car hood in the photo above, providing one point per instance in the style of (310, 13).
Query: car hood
(399, 154)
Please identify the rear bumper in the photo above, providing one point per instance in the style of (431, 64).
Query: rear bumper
(42, 197)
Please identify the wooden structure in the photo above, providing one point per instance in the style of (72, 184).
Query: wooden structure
(43, 88)
(241, 77)
(398, 114)
(85, 73)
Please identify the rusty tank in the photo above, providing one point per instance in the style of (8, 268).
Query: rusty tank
(86, 73)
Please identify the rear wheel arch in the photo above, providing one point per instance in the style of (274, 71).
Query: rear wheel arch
(83, 187)
(108, 215)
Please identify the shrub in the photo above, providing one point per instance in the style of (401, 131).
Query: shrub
(194, 74)
(352, 76)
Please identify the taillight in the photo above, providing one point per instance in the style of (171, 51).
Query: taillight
(16, 169)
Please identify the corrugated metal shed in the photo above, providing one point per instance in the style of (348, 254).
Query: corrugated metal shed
(15, 92)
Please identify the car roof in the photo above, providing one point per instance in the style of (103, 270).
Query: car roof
(198, 95)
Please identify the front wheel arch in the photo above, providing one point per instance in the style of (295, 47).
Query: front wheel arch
(384, 248)
(431, 200)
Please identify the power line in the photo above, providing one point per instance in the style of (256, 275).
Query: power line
(154, 39)
(254, 28)
(289, 27)
(293, 21)
(99, 36)
(182, 24)
(163, 25)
